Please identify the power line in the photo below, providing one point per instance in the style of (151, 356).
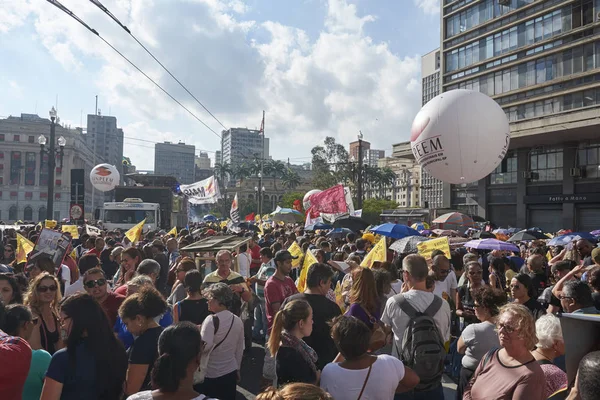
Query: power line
(58, 5)
(112, 16)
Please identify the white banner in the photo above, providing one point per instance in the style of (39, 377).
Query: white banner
(203, 192)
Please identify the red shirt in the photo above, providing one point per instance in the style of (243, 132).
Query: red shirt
(111, 306)
(276, 291)
(121, 290)
(16, 353)
(94, 252)
(255, 253)
(69, 262)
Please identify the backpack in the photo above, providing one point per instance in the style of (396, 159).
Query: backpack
(422, 345)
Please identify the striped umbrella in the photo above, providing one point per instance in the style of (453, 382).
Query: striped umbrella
(454, 218)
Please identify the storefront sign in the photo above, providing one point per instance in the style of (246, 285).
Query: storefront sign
(562, 198)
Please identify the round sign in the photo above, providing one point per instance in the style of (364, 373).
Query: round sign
(76, 211)
(104, 177)
(306, 199)
(460, 136)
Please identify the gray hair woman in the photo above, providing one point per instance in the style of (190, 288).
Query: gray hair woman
(550, 345)
(223, 333)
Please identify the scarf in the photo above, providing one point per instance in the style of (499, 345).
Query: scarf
(307, 352)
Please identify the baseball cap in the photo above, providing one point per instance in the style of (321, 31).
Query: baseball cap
(283, 255)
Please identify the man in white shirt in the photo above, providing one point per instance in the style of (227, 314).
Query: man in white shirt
(445, 278)
(415, 272)
(86, 262)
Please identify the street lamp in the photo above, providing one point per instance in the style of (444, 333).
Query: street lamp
(260, 189)
(359, 192)
(52, 153)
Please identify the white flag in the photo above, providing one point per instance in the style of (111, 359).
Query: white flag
(234, 213)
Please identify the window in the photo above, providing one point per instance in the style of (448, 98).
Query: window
(1, 137)
(548, 165)
(506, 172)
(31, 139)
(16, 138)
(588, 157)
(42, 213)
(12, 213)
(15, 168)
(58, 182)
(30, 167)
(28, 214)
(44, 171)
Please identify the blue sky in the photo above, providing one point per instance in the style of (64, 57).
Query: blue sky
(318, 67)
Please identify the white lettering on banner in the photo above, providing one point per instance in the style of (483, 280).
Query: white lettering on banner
(202, 192)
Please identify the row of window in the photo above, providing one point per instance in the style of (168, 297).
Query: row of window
(13, 214)
(17, 138)
(572, 61)
(29, 168)
(524, 34)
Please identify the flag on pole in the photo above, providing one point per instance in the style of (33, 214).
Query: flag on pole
(135, 233)
(296, 251)
(234, 213)
(249, 217)
(173, 231)
(24, 247)
(377, 253)
(309, 259)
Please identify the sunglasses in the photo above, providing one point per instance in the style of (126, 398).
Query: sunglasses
(44, 289)
(475, 272)
(507, 328)
(93, 283)
(8, 250)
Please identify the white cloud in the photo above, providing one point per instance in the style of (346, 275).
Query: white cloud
(428, 6)
(334, 85)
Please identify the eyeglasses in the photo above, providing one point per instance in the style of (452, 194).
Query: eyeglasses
(515, 286)
(507, 328)
(475, 272)
(8, 250)
(44, 289)
(93, 283)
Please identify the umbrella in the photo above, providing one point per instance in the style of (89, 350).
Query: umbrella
(396, 231)
(596, 232)
(426, 232)
(288, 215)
(513, 230)
(339, 233)
(456, 242)
(355, 224)
(454, 218)
(446, 232)
(500, 231)
(318, 225)
(526, 235)
(535, 228)
(209, 218)
(407, 244)
(484, 235)
(420, 226)
(563, 240)
(491, 244)
(248, 226)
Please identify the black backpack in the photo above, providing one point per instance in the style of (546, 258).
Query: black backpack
(422, 345)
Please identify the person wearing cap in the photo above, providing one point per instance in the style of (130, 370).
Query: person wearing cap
(277, 288)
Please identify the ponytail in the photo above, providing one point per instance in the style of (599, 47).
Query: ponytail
(287, 318)
(165, 374)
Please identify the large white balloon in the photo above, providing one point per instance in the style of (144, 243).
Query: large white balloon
(460, 136)
(104, 177)
(306, 199)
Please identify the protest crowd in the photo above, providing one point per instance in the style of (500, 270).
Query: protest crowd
(87, 313)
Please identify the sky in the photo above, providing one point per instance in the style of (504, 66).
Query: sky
(316, 67)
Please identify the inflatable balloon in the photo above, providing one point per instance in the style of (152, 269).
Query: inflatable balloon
(460, 136)
(306, 200)
(104, 177)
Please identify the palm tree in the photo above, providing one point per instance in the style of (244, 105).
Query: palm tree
(387, 178)
(221, 171)
(241, 172)
(276, 170)
(290, 179)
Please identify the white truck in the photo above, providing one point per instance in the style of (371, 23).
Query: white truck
(129, 212)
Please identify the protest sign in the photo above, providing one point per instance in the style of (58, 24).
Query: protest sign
(426, 248)
(50, 244)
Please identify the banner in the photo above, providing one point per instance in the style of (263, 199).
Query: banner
(426, 248)
(50, 244)
(50, 223)
(330, 201)
(92, 230)
(309, 259)
(72, 229)
(377, 253)
(296, 251)
(234, 212)
(203, 192)
(350, 208)
(310, 220)
(173, 231)
(135, 233)
(24, 247)
(249, 217)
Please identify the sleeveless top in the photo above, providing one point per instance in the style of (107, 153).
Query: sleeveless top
(48, 338)
(194, 311)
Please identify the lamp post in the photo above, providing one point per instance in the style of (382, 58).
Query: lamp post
(52, 154)
(260, 189)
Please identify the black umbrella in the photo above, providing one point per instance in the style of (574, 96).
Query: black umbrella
(248, 226)
(484, 235)
(527, 235)
(355, 224)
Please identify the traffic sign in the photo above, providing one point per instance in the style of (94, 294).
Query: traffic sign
(76, 211)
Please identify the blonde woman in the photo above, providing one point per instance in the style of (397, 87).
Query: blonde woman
(43, 298)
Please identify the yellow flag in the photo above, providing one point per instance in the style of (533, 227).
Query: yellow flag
(173, 231)
(50, 223)
(24, 247)
(72, 229)
(377, 253)
(309, 259)
(295, 251)
(426, 248)
(257, 219)
(339, 298)
(135, 233)
(73, 255)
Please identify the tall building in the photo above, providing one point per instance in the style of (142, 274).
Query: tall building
(353, 149)
(540, 60)
(242, 145)
(176, 160)
(106, 140)
(435, 193)
(405, 189)
(218, 157)
(373, 156)
(202, 161)
(24, 172)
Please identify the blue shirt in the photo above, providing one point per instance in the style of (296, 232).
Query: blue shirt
(127, 338)
(79, 380)
(586, 310)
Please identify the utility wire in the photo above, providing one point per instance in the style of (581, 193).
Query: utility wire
(76, 18)
(112, 16)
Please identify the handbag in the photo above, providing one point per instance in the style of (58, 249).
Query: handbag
(200, 373)
(378, 335)
(365, 383)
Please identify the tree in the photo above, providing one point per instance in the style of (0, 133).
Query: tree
(290, 197)
(246, 206)
(221, 171)
(329, 163)
(276, 169)
(372, 209)
(241, 172)
(290, 179)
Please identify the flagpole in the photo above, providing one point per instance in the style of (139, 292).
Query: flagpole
(262, 162)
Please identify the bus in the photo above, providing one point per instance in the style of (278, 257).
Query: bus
(129, 212)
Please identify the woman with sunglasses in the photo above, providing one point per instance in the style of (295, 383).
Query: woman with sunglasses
(465, 296)
(10, 292)
(94, 363)
(21, 322)
(511, 372)
(179, 351)
(43, 298)
(522, 292)
(8, 256)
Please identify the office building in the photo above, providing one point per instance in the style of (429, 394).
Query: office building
(540, 60)
(218, 157)
(176, 160)
(370, 156)
(242, 145)
(24, 177)
(405, 189)
(202, 161)
(106, 140)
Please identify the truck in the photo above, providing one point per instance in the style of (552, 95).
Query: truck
(129, 212)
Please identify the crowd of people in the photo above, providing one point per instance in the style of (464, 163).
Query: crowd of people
(150, 320)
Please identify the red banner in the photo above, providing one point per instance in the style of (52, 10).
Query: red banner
(330, 201)
(249, 217)
(298, 206)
